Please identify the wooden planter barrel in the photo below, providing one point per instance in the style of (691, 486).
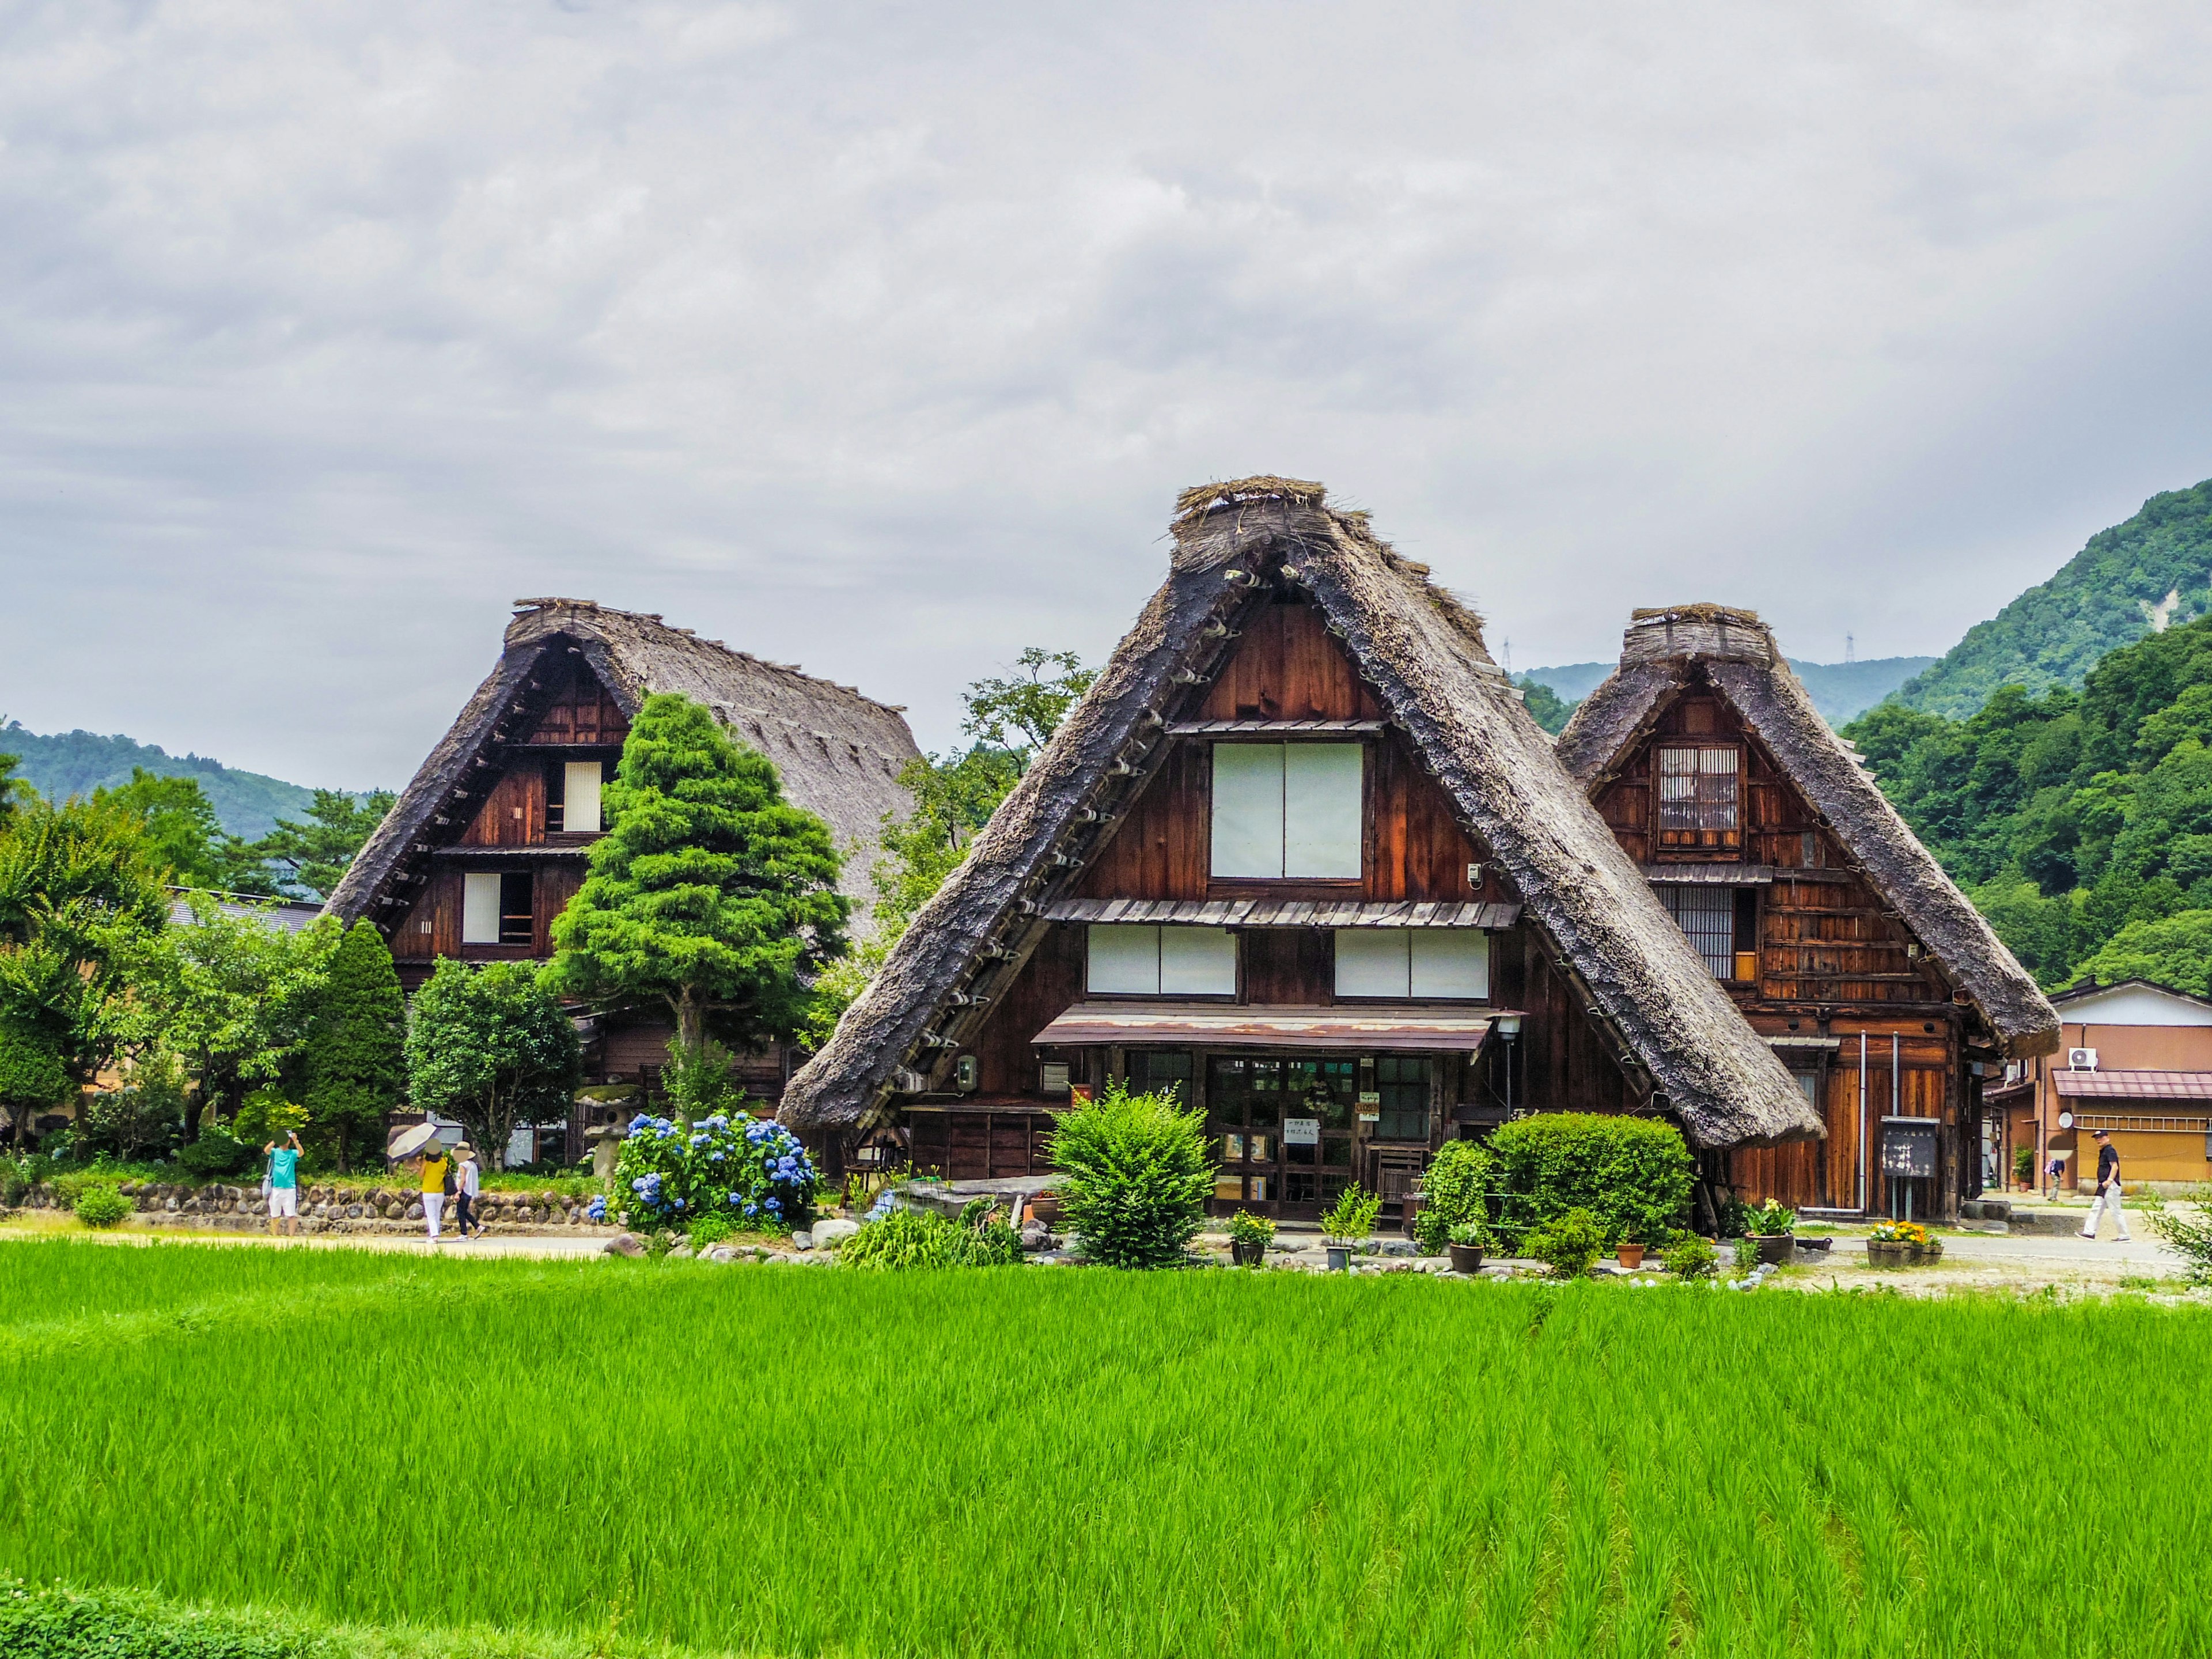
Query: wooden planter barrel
(1895, 1253)
(1775, 1249)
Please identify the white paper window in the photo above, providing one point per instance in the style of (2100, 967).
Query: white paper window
(579, 789)
(1433, 963)
(480, 909)
(1150, 962)
(1287, 811)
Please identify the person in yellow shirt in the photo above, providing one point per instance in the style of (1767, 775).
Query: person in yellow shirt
(437, 1166)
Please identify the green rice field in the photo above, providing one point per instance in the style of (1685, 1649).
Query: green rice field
(607, 1455)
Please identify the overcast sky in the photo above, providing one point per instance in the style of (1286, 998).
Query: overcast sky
(878, 338)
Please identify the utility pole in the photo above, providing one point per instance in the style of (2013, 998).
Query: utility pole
(1851, 653)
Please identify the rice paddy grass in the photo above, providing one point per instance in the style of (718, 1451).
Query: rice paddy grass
(1021, 1461)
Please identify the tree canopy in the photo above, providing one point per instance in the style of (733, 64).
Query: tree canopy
(493, 1047)
(708, 892)
(354, 1056)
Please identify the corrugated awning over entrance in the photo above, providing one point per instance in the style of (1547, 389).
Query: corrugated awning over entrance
(1414, 1026)
(1282, 913)
(2131, 1085)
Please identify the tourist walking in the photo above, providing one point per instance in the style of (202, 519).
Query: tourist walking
(468, 1181)
(437, 1182)
(2108, 1188)
(283, 1182)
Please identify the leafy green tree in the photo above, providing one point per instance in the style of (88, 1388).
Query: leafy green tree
(493, 1047)
(709, 892)
(184, 838)
(76, 894)
(2174, 951)
(355, 1060)
(1551, 710)
(11, 788)
(312, 857)
(32, 1078)
(1135, 1176)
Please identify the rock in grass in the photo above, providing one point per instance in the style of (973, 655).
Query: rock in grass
(802, 1240)
(622, 1244)
(829, 1235)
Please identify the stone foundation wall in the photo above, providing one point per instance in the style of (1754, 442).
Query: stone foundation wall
(339, 1209)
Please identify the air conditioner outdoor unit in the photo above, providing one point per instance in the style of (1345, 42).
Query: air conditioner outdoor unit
(2081, 1060)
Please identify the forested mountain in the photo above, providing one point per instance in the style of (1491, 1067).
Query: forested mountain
(246, 804)
(1839, 690)
(2078, 821)
(2149, 573)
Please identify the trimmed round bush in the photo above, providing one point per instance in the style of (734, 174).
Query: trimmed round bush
(102, 1206)
(1567, 1244)
(1631, 1174)
(1456, 1190)
(1136, 1177)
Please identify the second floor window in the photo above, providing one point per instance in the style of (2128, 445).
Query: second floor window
(572, 796)
(1697, 788)
(1144, 961)
(496, 909)
(1287, 812)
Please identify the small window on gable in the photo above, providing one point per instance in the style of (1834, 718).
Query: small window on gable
(1441, 964)
(495, 908)
(1287, 812)
(1154, 962)
(1707, 916)
(572, 796)
(1698, 790)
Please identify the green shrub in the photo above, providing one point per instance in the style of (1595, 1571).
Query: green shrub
(49, 1622)
(1567, 1244)
(1471, 1233)
(1769, 1217)
(2191, 1240)
(1136, 1178)
(1352, 1216)
(1690, 1257)
(921, 1239)
(711, 1229)
(215, 1154)
(2023, 1165)
(102, 1206)
(1456, 1187)
(1631, 1175)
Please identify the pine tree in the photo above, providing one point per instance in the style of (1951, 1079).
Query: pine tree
(355, 1059)
(709, 892)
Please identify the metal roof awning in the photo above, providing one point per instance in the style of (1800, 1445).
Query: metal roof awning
(1282, 912)
(1709, 875)
(1412, 1026)
(2132, 1086)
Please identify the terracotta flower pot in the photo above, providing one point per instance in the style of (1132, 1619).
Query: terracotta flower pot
(1629, 1256)
(1465, 1258)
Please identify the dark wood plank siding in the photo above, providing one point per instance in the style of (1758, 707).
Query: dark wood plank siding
(580, 710)
(1006, 1061)
(1287, 667)
(513, 814)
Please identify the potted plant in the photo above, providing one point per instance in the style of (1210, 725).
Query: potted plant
(1901, 1244)
(1468, 1240)
(1629, 1252)
(1250, 1236)
(1769, 1227)
(1347, 1225)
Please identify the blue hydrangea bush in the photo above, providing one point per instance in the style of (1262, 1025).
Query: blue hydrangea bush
(670, 1174)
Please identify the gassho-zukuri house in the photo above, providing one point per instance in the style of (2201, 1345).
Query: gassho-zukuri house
(489, 841)
(1301, 855)
(1833, 932)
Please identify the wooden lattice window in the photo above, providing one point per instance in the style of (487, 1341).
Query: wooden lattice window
(1700, 795)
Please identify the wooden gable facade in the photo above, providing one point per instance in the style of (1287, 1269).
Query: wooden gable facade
(1780, 901)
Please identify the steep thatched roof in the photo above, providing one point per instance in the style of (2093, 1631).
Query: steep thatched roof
(1667, 650)
(1423, 652)
(839, 754)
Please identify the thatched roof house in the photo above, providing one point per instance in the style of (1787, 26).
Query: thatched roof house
(838, 753)
(1694, 650)
(1541, 854)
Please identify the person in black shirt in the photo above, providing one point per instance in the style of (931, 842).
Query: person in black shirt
(2108, 1188)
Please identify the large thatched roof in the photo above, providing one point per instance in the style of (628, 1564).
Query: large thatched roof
(1423, 652)
(1670, 649)
(838, 753)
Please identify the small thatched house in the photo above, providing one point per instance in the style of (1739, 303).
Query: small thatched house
(1301, 854)
(1813, 907)
(487, 844)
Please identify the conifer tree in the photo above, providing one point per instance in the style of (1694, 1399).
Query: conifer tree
(356, 1058)
(709, 891)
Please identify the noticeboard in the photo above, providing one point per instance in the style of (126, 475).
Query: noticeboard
(1908, 1147)
(1301, 1132)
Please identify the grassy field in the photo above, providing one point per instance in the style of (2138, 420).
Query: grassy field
(801, 1461)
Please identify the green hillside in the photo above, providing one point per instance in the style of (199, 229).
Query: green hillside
(68, 763)
(1840, 690)
(2152, 571)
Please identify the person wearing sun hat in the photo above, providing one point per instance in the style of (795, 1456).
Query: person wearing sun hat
(468, 1181)
(2108, 1187)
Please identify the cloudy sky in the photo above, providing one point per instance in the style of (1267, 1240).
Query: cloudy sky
(878, 337)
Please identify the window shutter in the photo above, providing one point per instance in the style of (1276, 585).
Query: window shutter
(581, 787)
(1322, 811)
(1372, 962)
(480, 909)
(1248, 809)
(1198, 962)
(1450, 963)
(1125, 961)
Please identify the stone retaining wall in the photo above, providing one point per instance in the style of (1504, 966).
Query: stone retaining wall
(339, 1209)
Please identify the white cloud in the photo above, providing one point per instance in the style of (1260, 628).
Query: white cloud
(879, 337)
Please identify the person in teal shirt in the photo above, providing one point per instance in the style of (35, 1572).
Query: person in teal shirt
(284, 1182)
